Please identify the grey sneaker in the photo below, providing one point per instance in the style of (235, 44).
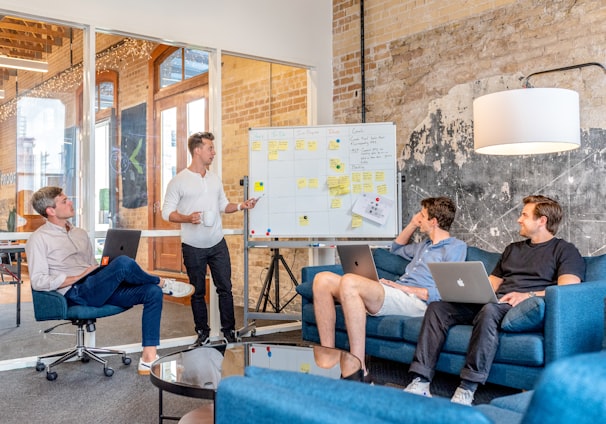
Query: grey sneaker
(418, 387)
(175, 288)
(462, 396)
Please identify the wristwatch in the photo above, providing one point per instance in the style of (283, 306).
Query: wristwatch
(531, 294)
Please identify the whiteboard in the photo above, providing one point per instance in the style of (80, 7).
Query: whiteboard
(323, 181)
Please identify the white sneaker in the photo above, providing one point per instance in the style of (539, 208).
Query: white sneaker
(175, 288)
(462, 396)
(418, 387)
(144, 368)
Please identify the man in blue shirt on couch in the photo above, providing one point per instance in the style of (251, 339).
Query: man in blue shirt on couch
(525, 269)
(409, 295)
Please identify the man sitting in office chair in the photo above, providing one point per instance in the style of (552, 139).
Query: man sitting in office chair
(59, 254)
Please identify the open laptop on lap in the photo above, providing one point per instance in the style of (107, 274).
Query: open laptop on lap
(463, 282)
(117, 242)
(357, 259)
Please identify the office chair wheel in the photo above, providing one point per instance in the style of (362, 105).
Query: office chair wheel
(40, 366)
(51, 376)
(85, 359)
(108, 371)
(126, 360)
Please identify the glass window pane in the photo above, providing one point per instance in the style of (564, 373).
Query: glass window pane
(196, 63)
(106, 95)
(171, 70)
(196, 119)
(102, 139)
(169, 147)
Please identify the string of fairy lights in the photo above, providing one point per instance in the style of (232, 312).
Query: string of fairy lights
(115, 58)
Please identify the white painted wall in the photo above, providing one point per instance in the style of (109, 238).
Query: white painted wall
(294, 31)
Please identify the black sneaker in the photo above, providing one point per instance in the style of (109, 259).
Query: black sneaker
(361, 377)
(230, 336)
(203, 339)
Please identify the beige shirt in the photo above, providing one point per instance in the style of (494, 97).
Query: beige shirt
(53, 254)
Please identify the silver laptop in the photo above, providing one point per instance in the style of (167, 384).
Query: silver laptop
(117, 242)
(357, 259)
(462, 282)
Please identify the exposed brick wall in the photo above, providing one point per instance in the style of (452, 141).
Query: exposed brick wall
(424, 67)
(256, 94)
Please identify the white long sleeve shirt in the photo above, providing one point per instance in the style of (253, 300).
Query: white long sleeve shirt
(189, 192)
(53, 254)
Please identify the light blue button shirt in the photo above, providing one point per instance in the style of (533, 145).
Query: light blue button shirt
(419, 254)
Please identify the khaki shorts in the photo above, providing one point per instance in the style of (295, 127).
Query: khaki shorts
(399, 303)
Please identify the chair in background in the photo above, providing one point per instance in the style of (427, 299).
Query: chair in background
(53, 306)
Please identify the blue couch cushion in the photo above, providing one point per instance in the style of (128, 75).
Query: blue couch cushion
(489, 259)
(306, 290)
(526, 316)
(389, 266)
(595, 267)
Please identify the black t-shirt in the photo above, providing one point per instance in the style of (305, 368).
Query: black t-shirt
(526, 267)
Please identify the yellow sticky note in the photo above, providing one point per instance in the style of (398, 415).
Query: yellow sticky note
(356, 177)
(283, 145)
(382, 189)
(367, 176)
(272, 155)
(334, 191)
(313, 183)
(333, 145)
(312, 145)
(356, 188)
(380, 176)
(368, 188)
(335, 203)
(303, 221)
(305, 368)
(332, 181)
(257, 146)
(356, 221)
(272, 145)
(301, 183)
(300, 145)
(259, 186)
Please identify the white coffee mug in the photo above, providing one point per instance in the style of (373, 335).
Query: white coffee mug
(209, 218)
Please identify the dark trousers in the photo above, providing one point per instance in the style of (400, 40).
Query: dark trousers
(483, 345)
(217, 259)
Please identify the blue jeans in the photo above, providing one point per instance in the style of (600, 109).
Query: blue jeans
(483, 344)
(123, 283)
(217, 259)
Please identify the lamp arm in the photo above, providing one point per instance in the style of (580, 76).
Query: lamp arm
(526, 84)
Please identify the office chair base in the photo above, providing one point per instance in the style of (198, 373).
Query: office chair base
(82, 352)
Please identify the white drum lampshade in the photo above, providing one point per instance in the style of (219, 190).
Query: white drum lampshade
(527, 121)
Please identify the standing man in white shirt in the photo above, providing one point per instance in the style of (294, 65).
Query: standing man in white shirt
(195, 199)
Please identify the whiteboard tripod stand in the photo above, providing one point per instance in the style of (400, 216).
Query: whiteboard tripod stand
(273, 274)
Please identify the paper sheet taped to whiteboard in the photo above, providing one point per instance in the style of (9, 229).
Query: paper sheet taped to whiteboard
(374, 207)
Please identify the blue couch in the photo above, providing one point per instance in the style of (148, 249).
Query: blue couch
(572, 390)
(572, 323)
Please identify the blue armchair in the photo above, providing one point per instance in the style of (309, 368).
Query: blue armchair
(50, 305)
(571, 390)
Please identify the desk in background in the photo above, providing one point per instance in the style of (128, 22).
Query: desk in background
(14, 273)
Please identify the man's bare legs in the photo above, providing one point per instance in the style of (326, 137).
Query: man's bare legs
(358, 296)
(326, 291)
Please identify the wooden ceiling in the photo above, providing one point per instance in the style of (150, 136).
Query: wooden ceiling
(21, 38)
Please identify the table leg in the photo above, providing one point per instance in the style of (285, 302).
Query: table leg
(18, 289)
(161, 415)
